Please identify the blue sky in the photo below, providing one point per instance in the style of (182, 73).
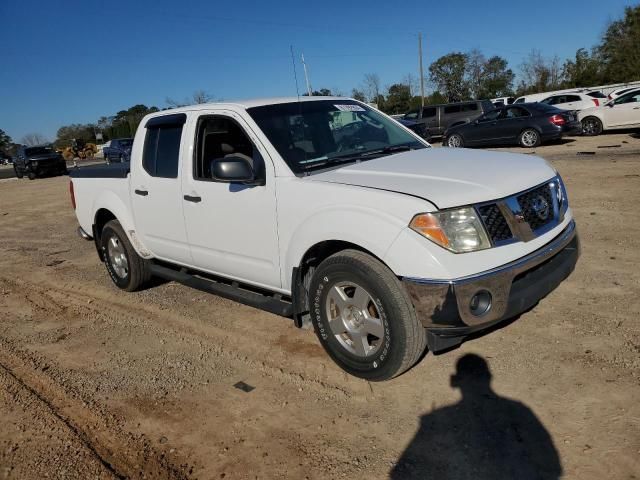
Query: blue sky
(73, 61)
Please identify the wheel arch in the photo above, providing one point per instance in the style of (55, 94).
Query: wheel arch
(303, 272)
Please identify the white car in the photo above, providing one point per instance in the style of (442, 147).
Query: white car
(621, 112)
(326, 210)
(573, 101)
(620, 91)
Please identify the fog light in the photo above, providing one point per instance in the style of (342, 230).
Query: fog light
(480, 303)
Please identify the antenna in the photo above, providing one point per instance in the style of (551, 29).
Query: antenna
(295, 76)
(306, 76)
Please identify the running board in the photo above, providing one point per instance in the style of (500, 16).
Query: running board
(272, 304)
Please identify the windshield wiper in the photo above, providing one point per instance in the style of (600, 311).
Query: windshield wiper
(388, 150)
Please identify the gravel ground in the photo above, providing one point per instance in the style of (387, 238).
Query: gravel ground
(99, 383)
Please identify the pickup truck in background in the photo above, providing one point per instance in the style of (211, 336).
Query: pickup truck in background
(117, 150)
(37, 161)
(327, 211)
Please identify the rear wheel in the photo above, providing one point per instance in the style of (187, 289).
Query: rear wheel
(364, 318)
(126, 268)
(455, 141)
(591, 126)
(529, 138)
(31, 175)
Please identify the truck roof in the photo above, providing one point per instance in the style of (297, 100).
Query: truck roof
(249, 103)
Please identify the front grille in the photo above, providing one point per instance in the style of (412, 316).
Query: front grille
(494, 221)
(537, 206)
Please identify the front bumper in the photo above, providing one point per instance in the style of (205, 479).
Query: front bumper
(444, 306)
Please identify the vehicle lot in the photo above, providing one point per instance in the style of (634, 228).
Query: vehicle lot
(95, 382)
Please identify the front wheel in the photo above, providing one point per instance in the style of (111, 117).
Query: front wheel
(591, 126)
(19, 173)
(455, 141)
(529, 138)
(126, 268)
(364, 318)
(31, 175)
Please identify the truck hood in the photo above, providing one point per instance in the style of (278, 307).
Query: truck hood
(446, 177)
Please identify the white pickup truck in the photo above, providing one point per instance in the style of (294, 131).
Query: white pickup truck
(325, 210)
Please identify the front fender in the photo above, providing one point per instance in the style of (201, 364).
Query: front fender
(366, 227)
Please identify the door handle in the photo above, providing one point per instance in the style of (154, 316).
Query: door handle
(191, 198)
(143, 193)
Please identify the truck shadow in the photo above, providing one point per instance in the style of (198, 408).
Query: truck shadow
(483, 436)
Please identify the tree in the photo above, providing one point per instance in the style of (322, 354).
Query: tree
(475, 72)
(398, 99)
(448, 75)
(197, 97)
(413, 82)
(583, 71)
(497, 79)
(5, 141)
(32, 139)
(619, 48)
(358, 95)
(323, 92)
(371, 87)
(540, 74)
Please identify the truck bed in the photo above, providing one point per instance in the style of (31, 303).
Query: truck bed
(114, 170)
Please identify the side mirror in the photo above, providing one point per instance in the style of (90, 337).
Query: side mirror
(233, 168)
(610, 104)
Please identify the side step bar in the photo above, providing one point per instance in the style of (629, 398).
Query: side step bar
(272, 304)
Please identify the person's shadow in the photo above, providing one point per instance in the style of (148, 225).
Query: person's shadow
(484, 436)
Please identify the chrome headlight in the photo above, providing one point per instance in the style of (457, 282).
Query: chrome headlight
(458, 229)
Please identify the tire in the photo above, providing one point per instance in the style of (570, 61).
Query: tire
(31, 175)
(376, 311)
(591, 126)
(126, 268)
(19, 173)
(529, 138)
(454, 140)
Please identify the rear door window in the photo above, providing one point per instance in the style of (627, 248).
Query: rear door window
(469, 107)
(161, 153)
(451, 109)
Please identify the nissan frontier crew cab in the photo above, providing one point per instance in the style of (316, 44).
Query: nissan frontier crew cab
(325, 210)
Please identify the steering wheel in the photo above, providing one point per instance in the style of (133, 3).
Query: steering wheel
(349, 143)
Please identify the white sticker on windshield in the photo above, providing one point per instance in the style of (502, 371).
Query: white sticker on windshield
(350, 108)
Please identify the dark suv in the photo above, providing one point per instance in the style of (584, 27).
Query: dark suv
(37, 161)
(438, 118)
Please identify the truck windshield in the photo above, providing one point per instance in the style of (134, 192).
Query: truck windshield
(315, 134)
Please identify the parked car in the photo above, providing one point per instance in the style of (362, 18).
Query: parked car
(438, 118)
(620, 91)
(385, 245)
(501, 101)
(572, 101)
(621, 112)
(117, 150)
(418, 127)
(527, 124)
(37, 161)
(531, 98)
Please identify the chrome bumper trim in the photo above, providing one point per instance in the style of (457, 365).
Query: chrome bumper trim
(445, 302)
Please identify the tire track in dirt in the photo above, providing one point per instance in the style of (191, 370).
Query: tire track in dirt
(119, 452)
(223, 343)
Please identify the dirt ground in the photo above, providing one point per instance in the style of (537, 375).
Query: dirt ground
(99, 383)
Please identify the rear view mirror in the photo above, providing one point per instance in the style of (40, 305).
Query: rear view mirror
(233, 168)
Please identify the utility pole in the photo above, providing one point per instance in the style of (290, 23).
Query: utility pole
(306, 76)
(421, 72)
